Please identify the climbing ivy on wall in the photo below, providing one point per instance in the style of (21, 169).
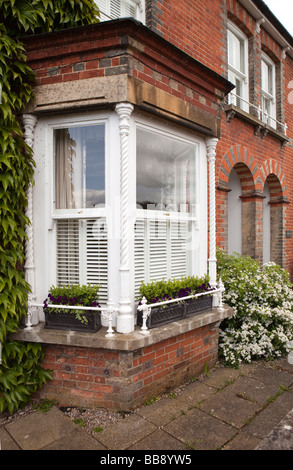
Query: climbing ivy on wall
(21, 372)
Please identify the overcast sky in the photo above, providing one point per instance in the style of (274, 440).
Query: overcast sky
(283, 10)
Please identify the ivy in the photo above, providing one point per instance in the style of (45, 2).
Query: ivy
(20, 371)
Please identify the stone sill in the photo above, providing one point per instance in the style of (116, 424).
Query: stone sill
(122, 342)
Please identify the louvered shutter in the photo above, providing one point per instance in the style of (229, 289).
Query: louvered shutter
(139, 254)
(82, 253)
(115, 8)
(67, 252)
(104, 9)
(130, 9)
(178, 248)
(97, 256)
(112, 9)
(160, 248)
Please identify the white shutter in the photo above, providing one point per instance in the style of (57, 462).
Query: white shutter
(158, 251)
(104, 8)
(178, 253)
(67, 252)
(115, 8)
(97, 256)
(112, 9)
(130, 8)
(139, 254)
(82, 254)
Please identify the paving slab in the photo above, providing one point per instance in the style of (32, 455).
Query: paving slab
(273, 377)
(37, 430)
(159, 440)
(76, 440)
(233, 405)
(270, 416)
(199, 431)
(194, 393)
(126, 432)
(243, 441)
(163, 411)
(6, 441)
(281, 438)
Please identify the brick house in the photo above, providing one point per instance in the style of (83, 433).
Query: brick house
(181, 115)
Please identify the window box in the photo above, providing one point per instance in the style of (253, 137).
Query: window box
(198, 305)
(160, 291)
(67, 321)
(72, 318)
(163, 315)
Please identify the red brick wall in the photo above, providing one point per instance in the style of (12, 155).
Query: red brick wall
(194, 26)
(87, 377)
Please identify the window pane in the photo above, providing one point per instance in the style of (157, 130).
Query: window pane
(80, 167)
(265, 77)
(165, 172)
(235, 51)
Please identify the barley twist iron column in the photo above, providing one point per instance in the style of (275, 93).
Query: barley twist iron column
(125, 318)
(211, 152)
(29, 122)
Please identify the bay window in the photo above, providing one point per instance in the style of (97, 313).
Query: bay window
(79, 201)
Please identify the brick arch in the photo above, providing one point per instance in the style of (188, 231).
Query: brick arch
(272, 172)
(233, 158)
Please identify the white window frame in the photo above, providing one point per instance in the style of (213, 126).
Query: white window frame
(99, 214)
(269, 95)
(234, 74)
(197, 221)
(105, 9)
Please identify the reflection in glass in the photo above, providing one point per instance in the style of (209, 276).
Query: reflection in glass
(165, 172)
(80, 167)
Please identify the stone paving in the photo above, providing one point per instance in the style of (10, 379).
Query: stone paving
(227, 409)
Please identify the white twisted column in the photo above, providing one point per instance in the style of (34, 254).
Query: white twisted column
(125, 318)
(211, 152)
(29, 122)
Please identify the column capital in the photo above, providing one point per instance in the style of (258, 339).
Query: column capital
(124, 111)
(211, 143)
(29, 122)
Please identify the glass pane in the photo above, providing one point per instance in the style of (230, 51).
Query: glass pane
(80, 167)
(265, 77)
(165, 172)
(235, 50)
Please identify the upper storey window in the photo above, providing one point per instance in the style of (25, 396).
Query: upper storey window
(113, 9)
(238, 66)
(268, 91)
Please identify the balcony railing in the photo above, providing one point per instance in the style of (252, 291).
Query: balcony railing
(262, 115)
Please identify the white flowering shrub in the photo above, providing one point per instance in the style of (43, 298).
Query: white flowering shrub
(262, 299)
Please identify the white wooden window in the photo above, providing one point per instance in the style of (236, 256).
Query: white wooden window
(167, 199)
(268, 91)
(238, 66)
(79, 202)
(113, 9)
